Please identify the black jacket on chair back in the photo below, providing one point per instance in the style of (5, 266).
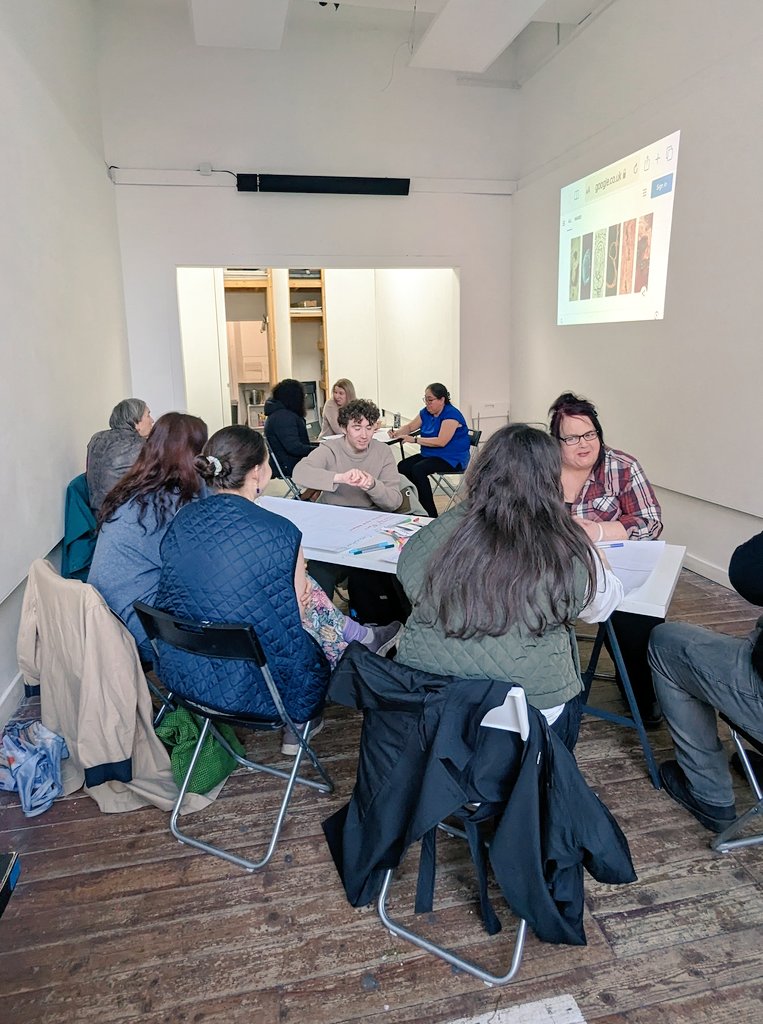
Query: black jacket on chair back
(424, 755)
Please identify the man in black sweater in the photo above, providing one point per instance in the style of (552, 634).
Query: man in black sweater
(696, 671)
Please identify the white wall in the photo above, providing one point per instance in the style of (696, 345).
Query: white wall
(682, 394)
(64, 360)
(201, 310)
(351, 329)
(392, 332)
(418, 320)
(317, 106)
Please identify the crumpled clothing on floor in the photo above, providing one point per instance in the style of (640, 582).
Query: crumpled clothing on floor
(30, 762)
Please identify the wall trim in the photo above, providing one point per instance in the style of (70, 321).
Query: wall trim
(709, 571)
(10, 699)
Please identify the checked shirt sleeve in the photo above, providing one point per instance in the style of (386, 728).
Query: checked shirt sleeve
(640, 511)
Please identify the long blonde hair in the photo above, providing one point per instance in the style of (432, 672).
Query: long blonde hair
(347, 386)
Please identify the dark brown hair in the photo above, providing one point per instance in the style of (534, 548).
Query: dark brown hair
(512, 559)
(356, 410)
(164, 473)
(229, 455)
(439, 391)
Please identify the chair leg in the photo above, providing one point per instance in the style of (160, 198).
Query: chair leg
(446, 954)
(292, 778)
(726, 841)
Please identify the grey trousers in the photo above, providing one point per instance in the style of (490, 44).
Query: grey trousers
(696, 671)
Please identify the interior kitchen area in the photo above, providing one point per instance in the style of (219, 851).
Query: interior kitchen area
(391, 331)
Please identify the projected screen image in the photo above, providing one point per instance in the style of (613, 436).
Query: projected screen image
(614, 238)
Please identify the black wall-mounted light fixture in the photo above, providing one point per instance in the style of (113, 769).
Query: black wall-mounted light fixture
(323, 184)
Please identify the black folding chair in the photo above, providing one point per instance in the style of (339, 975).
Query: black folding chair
(239, 642)
(441, 481)
(728, 840)
(278, 472)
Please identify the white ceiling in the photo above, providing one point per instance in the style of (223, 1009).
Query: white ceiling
(464, 36)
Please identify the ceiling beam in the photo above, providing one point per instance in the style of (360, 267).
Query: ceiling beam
(468, 35)
(251, 24)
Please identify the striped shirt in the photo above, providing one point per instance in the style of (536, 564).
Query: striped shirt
(618, 490)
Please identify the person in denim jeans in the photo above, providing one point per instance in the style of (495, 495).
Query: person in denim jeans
(697, 671)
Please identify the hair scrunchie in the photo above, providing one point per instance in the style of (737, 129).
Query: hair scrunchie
(215, 463)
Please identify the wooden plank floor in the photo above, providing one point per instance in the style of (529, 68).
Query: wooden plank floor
(113, 921)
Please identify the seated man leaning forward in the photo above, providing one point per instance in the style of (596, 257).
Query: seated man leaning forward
(354, 470)
(696, 671)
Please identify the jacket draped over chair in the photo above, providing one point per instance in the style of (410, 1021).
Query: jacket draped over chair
(424, 755)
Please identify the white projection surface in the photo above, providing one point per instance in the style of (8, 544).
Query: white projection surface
(614, 238)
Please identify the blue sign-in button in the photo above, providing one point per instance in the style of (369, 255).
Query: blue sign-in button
(661, 186)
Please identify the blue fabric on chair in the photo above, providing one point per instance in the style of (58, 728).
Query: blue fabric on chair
(80, 530)
(226, 560)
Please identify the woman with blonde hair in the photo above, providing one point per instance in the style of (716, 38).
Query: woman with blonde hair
(342, 393)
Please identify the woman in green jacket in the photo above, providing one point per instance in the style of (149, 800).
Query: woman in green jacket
(497, 582)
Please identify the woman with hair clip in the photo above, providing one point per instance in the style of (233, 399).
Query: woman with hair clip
(342, 394)
(443, 440)
(136, 513)
(609, 496)
(497, 582)
(226, 559)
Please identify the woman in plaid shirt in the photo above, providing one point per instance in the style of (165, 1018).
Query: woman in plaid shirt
(609, 494)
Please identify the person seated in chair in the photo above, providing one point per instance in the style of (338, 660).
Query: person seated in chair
(497, 582)
(341, 393)
(697, 671)
(226, 559)
(354, 470)
(443, 440)
(110, 453)
(285, 426)
(135, 516)
(610, 497)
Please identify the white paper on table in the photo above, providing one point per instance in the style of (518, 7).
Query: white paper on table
(332, 527)
(632, 561)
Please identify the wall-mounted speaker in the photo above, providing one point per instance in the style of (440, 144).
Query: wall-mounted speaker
(323, 184)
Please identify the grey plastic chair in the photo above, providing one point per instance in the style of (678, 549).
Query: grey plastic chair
(235, 641)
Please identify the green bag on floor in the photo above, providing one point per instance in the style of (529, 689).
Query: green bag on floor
(179, 731)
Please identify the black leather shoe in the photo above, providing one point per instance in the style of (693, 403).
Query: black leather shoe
(651, 714)
(712, 816)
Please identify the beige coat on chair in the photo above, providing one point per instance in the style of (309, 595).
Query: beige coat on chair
(94, 694)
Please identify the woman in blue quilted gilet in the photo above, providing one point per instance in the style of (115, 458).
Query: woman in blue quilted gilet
(226, 559)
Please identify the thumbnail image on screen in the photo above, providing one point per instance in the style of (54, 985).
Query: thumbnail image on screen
(614, 238)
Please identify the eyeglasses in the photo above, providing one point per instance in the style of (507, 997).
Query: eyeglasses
(430, 399)
(571, 439)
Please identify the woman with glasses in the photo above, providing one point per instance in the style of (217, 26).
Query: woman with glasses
(497, 582)
(608, 494)
(443, 439)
